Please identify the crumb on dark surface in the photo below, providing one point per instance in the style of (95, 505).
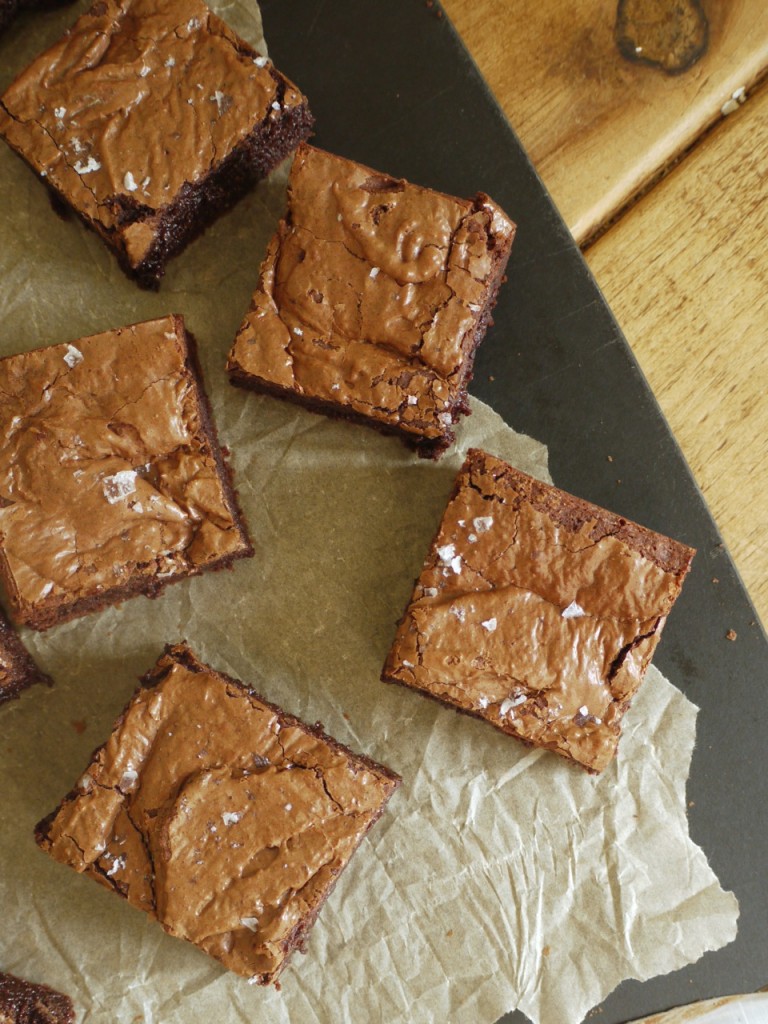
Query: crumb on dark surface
(731, 634)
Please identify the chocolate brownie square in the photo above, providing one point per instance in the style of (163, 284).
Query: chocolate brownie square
(17, 669)
(373, 297)
(22, 1002)
(537, 611)
(112, 482)
(149, 118)
(220, 815)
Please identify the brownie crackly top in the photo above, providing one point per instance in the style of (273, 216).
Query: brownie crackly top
(537, 611)
(373, 297)
(134, 106)
(111, 481)
(219, 814)
(24, 1002)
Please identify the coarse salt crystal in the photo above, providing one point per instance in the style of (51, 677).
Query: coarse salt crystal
(489, 624)
(251, 923)
(460, 613)
(482, 702)
(92, 164)
(46, 589)
(117, 865)
(260, 62)
(413, 400)
(119, 485)
(231, 817)
(482, 523)
(298, 331)
(73, 356)
(59, 112)
(129, 779)
(171, 62)
(130, 182)
(335, 387)
(430, 592)
(510, 703)
(289, 807)
(275, 105)
(573, 611)
(374, 272)
(144, 71)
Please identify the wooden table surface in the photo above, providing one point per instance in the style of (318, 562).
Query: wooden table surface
(669, 173)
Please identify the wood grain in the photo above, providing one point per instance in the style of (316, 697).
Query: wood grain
(597, 126)
(686, 273)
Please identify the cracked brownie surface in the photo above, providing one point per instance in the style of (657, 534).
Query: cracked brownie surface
(537, 611)
(219, 814)
(112, 482)
(373, 297)
(150, 118)
(23, 1002)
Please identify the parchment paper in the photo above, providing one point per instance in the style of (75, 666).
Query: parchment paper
(499, 877)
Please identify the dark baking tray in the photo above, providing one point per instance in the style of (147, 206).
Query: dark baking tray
(392, 85)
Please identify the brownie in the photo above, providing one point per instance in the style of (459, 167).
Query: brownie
(17, 669)
(537, 611)
(149, 118)
(112, 482)
(372, 299)
(22, 1002)
(220, 815)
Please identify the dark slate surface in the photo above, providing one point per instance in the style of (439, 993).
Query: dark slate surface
(391, 85)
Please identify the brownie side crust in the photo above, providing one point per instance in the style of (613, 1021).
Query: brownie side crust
(218, 814)
(17, 669)
(537, 611)
(112, 479)
(23, 1002)
(188, 117)
(372, 299)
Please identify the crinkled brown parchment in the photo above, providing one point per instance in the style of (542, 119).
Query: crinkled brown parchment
(499, 877)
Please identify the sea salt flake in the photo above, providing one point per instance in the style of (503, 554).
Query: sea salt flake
(482, 523)
(73, 356)
(413, 400)
(408, 664)
(251, 923)
(573, 611)
(144, 70)
(460, 613)
(59, 112)
(489, 624)
(482, 702)
(430, 592)
(289, 807)
(260, 62)
(192, 23)
(171, 62)
(374, 272)
(275, 105)
(298, 331)
(231, 817)
(117, 865)
(130, 182)
(472, 538)
(145, 183)
(92, 164)
(128, 779)
(335, 387)
(119, 485)
(510, 703)
(46, 589)
(446, 553)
